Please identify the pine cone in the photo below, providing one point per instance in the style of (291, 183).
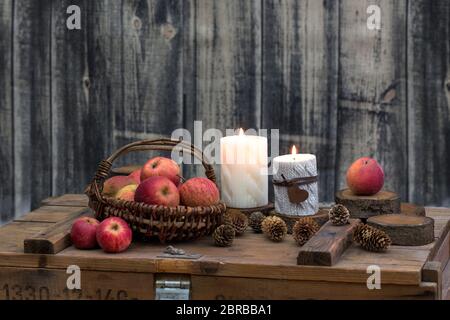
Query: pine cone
(371, 239)
(274, 227)
(339, 215)
(237, 220)
(256, 218)
(224, 235)
(304, 229)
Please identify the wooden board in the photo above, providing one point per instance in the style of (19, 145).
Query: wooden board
(233, 288)
(405, 230)
(78, 135)
(50, 284)
(55, 238)
(227, 78)
(6, 113)
(51, 214)
(363, 207)
(32, 103)
(372, 91)
(428, 67)
(149, 70)
(300, 80)
(327, 245)
(67, 200)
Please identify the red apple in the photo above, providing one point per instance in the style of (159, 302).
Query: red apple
(158, 190)
(365, 177)
(163, 167)
(114, 235)
(114, 184)
(83, 233)
(127, 192)
(199, 192)
(136, 176)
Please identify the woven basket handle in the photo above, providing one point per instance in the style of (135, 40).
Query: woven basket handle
(163, 144)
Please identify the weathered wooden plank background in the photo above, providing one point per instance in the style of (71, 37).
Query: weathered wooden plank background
(142, 68)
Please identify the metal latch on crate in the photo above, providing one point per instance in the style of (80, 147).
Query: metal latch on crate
(173, 289)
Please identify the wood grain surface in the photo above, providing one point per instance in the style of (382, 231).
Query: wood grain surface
(265, 267)
(428, 57)
(300, 80)
(55, 238)
(6, 113)
(143, 68)
(31, 78)
(372, 91)
(50, 284)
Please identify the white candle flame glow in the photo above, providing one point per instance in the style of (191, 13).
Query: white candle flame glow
(294, 150)
(241, 132)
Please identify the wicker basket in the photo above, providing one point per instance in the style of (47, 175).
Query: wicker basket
(166, 223)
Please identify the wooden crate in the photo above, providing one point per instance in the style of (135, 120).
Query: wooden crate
(253, 268)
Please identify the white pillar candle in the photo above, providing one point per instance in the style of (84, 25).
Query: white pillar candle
(294, 166)
(244, 171)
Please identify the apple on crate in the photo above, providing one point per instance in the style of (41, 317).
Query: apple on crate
(114, 235)
(83, 233)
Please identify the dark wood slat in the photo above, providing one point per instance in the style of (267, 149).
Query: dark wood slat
(6, 113)
(73, 155)
(300, 68)
(429, 101)
(151, 70)
(228, 67)
(104, 46)
(372, 91)
(32, 103)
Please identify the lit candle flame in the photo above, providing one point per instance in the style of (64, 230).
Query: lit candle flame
(241, 132)
(294, 150)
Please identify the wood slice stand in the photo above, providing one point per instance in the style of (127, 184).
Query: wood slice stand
(405, 230)
(363, 207)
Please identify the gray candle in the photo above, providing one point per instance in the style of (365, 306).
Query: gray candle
(290, 167)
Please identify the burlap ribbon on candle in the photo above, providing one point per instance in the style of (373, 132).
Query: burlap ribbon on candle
(295, 193)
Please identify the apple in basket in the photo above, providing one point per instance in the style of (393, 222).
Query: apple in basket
(114, 235)
(160, 166)
(199, 192)
(136, 175)
(83, 233)
(114, 184)
(158, 190)
(127, 193)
